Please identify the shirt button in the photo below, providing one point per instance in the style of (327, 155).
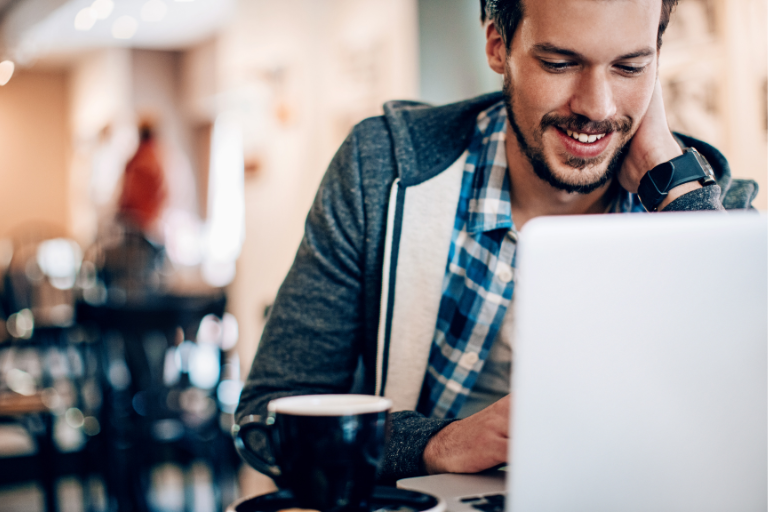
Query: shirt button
(504, 275)
(468, 360)
(454, 386)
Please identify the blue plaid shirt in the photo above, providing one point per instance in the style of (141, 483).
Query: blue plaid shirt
(479, 278)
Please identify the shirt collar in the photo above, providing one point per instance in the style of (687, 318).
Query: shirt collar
(489, 200)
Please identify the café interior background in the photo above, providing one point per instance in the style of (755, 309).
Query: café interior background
(250, 100)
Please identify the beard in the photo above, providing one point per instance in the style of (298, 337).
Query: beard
(576, 123)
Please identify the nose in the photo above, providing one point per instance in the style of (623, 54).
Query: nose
(593, 97)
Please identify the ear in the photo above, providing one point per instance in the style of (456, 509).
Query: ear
(495, 49)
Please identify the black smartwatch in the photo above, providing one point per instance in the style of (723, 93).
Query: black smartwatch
(656, 184)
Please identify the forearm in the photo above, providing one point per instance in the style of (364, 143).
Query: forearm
(310, 342)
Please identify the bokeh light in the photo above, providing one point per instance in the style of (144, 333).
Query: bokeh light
(6, 71)
(85, 19)
(124, 27)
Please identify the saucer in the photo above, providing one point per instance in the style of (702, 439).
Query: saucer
(385, 499)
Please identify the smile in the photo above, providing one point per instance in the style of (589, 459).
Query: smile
(583, 145)
(585, 137)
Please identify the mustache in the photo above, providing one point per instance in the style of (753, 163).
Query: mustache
(579, 123)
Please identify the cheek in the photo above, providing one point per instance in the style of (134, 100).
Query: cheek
(538, 93)
(635, 96)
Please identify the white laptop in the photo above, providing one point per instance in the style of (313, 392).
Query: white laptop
(639, 379)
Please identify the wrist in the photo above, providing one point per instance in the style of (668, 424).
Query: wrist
(661, 153)
(665, 153)
(671, 179)
(435, 453)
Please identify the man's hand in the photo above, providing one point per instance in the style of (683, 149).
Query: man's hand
(652, 144)
(470, 445)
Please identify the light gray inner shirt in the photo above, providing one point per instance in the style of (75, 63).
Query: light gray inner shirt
(493, 382)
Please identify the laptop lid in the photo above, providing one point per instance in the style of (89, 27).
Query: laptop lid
(640, 364)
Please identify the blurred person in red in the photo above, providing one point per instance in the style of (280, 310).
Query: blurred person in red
(144, 192)
(131, 258)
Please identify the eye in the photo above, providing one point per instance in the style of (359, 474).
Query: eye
(631, 70)
(556, 67)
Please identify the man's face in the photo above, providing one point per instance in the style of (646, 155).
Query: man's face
(578, 79)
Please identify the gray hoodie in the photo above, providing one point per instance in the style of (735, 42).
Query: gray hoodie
(331, 327)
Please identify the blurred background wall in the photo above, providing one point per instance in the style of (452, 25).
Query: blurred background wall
(34, 144)
(452, 64)
(284, 82)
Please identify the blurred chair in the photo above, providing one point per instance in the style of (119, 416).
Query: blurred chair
(123, 265)
(47, 376)
(153, 412)
(158, 385)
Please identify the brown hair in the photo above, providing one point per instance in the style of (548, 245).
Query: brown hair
(506, 15)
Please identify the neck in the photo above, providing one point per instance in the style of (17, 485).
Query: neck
(533, 197)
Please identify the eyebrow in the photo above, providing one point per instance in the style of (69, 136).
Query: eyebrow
(551, 48)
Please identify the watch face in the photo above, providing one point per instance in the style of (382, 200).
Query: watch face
(703, 162)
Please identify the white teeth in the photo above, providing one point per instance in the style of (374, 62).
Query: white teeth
(583, 137)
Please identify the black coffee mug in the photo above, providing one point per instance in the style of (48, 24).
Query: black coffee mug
(326, 448)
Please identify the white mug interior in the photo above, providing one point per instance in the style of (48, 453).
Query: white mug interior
(329, 405)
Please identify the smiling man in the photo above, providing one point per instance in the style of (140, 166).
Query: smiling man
(582, 98)
(404, 281)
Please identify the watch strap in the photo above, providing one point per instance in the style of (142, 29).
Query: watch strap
(656, 184)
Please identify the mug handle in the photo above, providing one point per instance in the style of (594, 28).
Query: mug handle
(240, 430)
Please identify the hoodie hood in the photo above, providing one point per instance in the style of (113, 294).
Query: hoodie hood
(429, 139)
